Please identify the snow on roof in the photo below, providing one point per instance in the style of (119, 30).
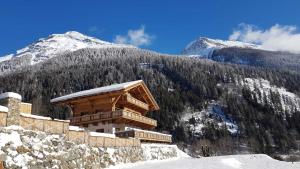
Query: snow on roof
(41, 117)
(10, 94)
(3, 109)
(114, 87)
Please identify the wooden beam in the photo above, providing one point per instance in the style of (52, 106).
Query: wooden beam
(115, 102)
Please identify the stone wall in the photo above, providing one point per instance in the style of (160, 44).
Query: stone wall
(21, 148)
(13, 102)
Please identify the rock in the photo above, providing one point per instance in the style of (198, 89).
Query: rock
(2, 156)
(22, 149)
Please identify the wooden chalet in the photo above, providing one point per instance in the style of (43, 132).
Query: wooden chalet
(118, 108)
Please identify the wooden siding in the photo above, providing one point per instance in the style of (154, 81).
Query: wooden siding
(49, 126)
(82, 137)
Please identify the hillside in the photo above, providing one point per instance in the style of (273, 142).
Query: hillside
(231, 108)
(180, 85)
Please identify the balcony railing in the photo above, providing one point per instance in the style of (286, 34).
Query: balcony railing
(145, 135)
(102, 116)
(136, 102)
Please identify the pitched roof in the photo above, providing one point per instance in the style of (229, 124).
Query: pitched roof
(96, 91)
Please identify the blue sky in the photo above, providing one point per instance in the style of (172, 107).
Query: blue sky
(169, 24)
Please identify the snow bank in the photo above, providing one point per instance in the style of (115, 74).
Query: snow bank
(75, 128)
(254, 161)
(155, 153)
(102, 134)
(180, 153)
(10, 94)
(13, 138)
(3, 109)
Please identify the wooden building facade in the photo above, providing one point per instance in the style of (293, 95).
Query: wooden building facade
(112, 109)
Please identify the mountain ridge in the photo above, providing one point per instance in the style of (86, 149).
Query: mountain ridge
(204, 46)
(52, 46)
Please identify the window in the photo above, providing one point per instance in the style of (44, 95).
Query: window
(100, 130)
(95, 124)
(85, 125)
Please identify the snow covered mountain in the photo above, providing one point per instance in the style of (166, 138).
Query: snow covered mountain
(236, 52)
(49, 47)
(203, 47)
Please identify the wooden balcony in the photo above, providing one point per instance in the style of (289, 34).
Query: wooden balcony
(125, 115)
(146, 136)
(135, 102)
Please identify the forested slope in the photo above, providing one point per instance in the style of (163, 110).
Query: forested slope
(181, 85)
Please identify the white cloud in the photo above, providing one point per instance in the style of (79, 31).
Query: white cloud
(277, 37)
(136, 37)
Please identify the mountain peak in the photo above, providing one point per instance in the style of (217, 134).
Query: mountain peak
(204, 46)
(55, 44)
(74, 33)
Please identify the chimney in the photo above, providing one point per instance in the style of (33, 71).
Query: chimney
(13, 102)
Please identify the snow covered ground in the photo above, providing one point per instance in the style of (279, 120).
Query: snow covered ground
(253, 161)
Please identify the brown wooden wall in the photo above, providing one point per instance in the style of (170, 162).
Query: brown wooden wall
(49, 126)
(82, 137)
